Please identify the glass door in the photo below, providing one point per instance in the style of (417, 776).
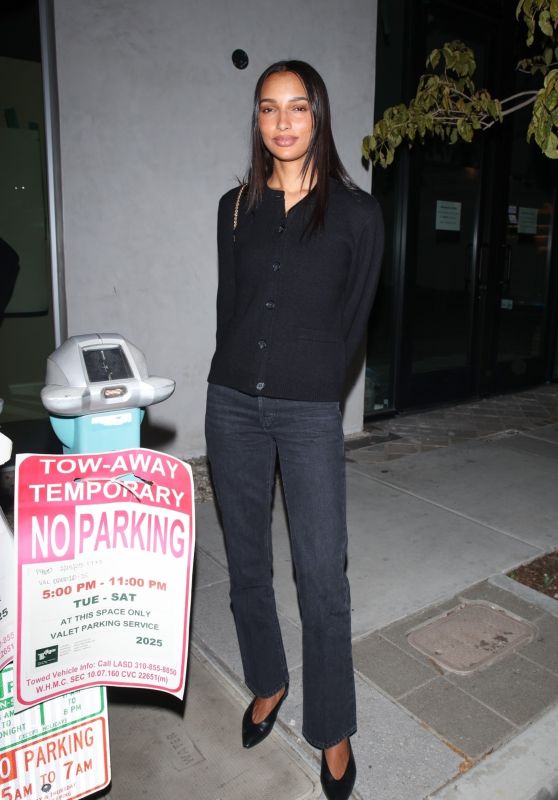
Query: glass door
(439, 331)
(521, 274)
(477, 315)
(439, 302)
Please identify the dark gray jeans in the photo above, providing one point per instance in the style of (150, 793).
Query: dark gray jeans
(245, 435)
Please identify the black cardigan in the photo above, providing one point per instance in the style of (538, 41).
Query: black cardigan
(293, 309)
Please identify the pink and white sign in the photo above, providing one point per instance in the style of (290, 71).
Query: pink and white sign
(105, 547)
(7, 593)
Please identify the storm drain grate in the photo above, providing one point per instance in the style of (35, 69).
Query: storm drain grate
(470, 636)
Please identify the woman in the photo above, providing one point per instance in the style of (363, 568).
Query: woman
(299, 259)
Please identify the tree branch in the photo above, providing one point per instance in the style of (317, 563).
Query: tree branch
(532, 93)
(546, 67)
(448, 105)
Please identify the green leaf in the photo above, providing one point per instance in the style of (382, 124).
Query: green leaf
(545, 23)
(551, 149)
(465, 130)
(433, 59)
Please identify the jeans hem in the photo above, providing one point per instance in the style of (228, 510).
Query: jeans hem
(324, 745)
(263, 695)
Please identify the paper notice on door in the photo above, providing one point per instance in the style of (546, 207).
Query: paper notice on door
(448, 215)
(527, 220)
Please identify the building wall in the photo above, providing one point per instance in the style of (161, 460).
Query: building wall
(154, 122)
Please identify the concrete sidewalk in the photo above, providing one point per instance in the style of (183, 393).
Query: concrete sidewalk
(428, 532)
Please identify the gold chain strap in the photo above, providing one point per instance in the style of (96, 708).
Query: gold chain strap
(237, 206)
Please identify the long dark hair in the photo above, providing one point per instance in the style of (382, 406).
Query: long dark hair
(321, 159)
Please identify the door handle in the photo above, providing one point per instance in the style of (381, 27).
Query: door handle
(507, 263)
(482, 274)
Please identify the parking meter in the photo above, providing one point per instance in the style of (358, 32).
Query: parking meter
(97, 386)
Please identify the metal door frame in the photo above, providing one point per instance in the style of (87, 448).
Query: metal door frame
(54, 183)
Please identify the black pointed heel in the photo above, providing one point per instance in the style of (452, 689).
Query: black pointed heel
(338, 789)
(255, 732)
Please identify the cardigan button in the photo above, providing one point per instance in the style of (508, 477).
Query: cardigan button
(281, 228)
(276, 266)
(260, 386)
(262, 344)
(270, 305)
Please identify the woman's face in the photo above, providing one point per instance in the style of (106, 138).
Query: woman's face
(285, 118)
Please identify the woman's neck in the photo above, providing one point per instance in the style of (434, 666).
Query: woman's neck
(286, 177)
